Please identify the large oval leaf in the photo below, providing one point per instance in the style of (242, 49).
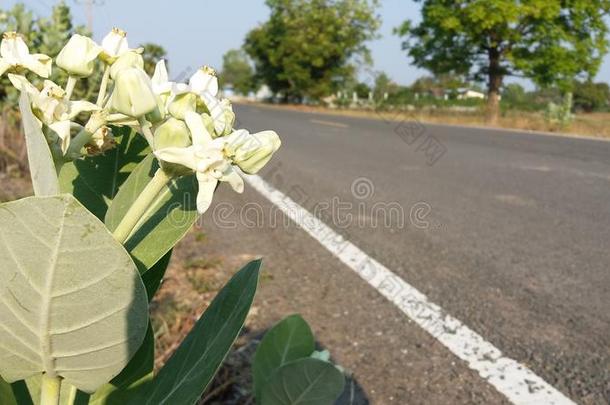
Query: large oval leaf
(189, 371)
(71, 301)
(168, 220)
(42, 167)
(94, 181)
(304, 382)
(138, 372)
(291, 339)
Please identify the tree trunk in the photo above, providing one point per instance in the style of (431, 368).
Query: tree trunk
(494, 85)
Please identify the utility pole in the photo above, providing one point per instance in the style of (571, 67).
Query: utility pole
(88, 5)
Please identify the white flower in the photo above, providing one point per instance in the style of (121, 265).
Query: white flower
(15, 56)
(114, 45)
(204, 79)
(78, 56)
(206, 157)
(54, 104)
(133, 94)
(52, 107)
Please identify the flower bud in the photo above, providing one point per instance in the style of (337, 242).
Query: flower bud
(252, 151)
(130, 59)
(78, 56)
(208, 122)
(133, 94)
(172, 133)
(114, 45)
(229, 117)
(181, 104)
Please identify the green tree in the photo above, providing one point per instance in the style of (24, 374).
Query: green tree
(152, 54)
(514, 95)
(590, 97)
(384, 85)
(549, 41)
(237, 71)
(307, 47)
(55, 30)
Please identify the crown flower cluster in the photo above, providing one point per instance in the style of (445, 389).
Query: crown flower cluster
(188, 127)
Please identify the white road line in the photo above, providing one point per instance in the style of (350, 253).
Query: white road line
(515, 381)
(330, 123)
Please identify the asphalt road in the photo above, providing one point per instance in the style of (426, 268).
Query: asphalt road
(506, 231)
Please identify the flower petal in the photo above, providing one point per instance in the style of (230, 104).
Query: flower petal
(62, 129)
(39, 64)
(207, 186)
(160, 79)
(234, 179)
(77, 107)
(199, 133)
(181, 156)
(4, 66)
(23, 84)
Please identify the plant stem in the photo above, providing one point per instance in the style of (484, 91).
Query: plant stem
(102, 94)
(49, 390)
(140, 206)
(77, 143)
(145, 125)
(70, 86)
(71, 395)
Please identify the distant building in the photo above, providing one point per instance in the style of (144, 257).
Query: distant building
(264, 93)
(467, 94)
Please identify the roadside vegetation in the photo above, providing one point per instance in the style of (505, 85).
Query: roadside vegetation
(524, 65)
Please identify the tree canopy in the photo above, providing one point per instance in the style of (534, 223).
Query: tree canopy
(590, 97)
(306, 46)
(237, 71)
(151, 55)
(548, 41)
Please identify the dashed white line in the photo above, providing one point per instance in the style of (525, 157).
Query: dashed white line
(514, 380)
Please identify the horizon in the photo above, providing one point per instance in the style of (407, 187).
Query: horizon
(229, 27)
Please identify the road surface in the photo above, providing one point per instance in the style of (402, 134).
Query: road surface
(507, 232)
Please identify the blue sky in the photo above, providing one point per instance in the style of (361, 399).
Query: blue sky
(197, 32)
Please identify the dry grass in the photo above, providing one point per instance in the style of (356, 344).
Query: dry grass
(191, 283)
(13, 153)
(592, 125)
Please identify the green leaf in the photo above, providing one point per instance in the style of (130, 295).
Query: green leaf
(304, 382)
(94, 181)
(189, 371)
(42, 167)
(139, 371)
(291, 339)
(6, 394)
(152, 278)
(168, 220)
(27, 391)
(71, 301)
